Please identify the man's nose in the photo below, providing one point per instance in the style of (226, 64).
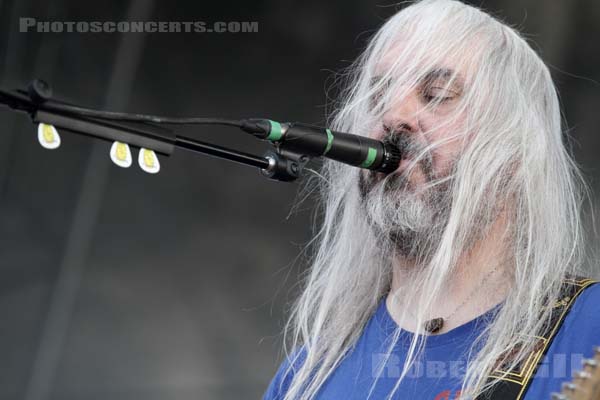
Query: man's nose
(404, 114)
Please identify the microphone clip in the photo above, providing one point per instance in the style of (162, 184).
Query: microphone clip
(284, 165)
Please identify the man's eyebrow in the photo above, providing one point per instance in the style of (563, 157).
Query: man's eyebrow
(375, 80)
(445, 74)
(381, 83)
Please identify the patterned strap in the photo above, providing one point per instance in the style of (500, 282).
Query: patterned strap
(513, 384)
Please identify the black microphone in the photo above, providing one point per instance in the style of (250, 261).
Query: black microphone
(313, 141)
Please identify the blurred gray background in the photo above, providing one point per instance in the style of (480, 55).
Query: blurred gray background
(116, 284)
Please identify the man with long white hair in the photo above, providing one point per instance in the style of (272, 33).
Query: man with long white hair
(457, 274)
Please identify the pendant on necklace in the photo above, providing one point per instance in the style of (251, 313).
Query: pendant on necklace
(434, 325)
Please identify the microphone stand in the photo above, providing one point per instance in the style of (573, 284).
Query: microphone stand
(277, 164)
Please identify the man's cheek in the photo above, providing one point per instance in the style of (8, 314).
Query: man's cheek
(443, 166)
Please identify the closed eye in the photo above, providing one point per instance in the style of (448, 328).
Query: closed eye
(439, 94)
(441, 85)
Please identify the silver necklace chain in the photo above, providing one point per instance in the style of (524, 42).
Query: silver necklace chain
(475, 290)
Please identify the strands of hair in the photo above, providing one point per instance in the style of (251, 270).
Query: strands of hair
(513, 160)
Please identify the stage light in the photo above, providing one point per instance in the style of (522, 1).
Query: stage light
(120, 154)
(48, 136)
(148, 161)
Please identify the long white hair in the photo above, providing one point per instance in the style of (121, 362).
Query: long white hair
(513, 159)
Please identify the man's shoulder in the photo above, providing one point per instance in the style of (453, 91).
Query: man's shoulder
(280, 383)
(581, 326)
(585, 307)
(574, 341)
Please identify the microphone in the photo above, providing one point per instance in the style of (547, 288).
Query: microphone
(295, 143)
(313, 141)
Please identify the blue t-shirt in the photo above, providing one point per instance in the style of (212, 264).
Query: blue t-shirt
(439, 373)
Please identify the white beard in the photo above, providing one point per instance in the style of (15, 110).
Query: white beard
(408, 221)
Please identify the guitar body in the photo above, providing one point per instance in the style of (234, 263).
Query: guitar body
(585, 384)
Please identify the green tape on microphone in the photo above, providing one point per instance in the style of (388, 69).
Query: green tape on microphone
(276, 132)
(371, 155)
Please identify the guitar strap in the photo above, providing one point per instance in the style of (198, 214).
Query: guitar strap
(513, 384)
